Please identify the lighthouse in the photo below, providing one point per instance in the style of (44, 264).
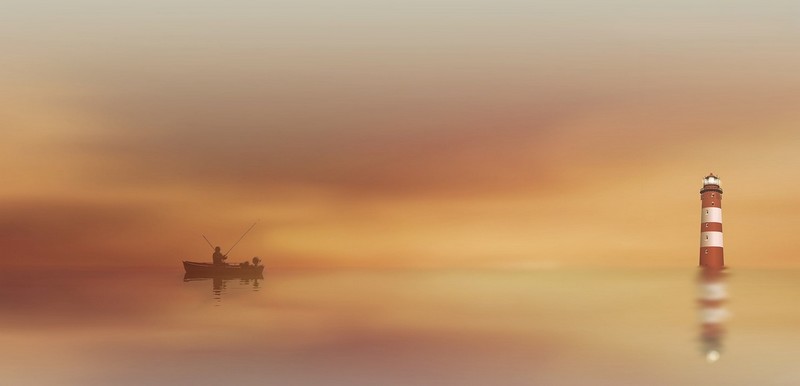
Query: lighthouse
(711, 224)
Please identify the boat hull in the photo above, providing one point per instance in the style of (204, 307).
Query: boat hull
(194, 269)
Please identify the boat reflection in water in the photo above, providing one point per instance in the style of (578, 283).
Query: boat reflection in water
(222, 273)
(713, 294)
(219, 283)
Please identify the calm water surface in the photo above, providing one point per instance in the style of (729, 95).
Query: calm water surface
(538, 327)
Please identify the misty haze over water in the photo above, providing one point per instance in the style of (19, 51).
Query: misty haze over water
(436, 327)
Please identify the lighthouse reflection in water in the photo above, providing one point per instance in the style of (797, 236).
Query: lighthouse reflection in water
(712, 299)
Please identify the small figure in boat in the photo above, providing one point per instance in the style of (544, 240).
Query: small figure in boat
(218, 258)
(246, 264)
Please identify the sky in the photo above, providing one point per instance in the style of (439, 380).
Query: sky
(382, 134)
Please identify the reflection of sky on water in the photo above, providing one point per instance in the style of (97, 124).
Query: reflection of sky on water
(551, 327)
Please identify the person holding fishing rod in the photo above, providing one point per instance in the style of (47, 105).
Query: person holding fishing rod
(218, 258)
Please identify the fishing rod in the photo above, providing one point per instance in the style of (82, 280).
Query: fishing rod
(240, 238)
(209, 243)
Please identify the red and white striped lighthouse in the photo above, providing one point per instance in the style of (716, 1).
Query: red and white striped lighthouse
(711, 224)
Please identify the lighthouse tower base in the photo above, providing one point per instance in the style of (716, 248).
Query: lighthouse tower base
(711, 257)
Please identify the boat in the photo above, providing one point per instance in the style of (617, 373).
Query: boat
(244, 270)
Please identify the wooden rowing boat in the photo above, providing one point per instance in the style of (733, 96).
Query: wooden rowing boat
(222, 270)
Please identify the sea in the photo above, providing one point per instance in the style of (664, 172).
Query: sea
(401, 327)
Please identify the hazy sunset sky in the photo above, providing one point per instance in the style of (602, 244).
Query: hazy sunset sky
(435, 133)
